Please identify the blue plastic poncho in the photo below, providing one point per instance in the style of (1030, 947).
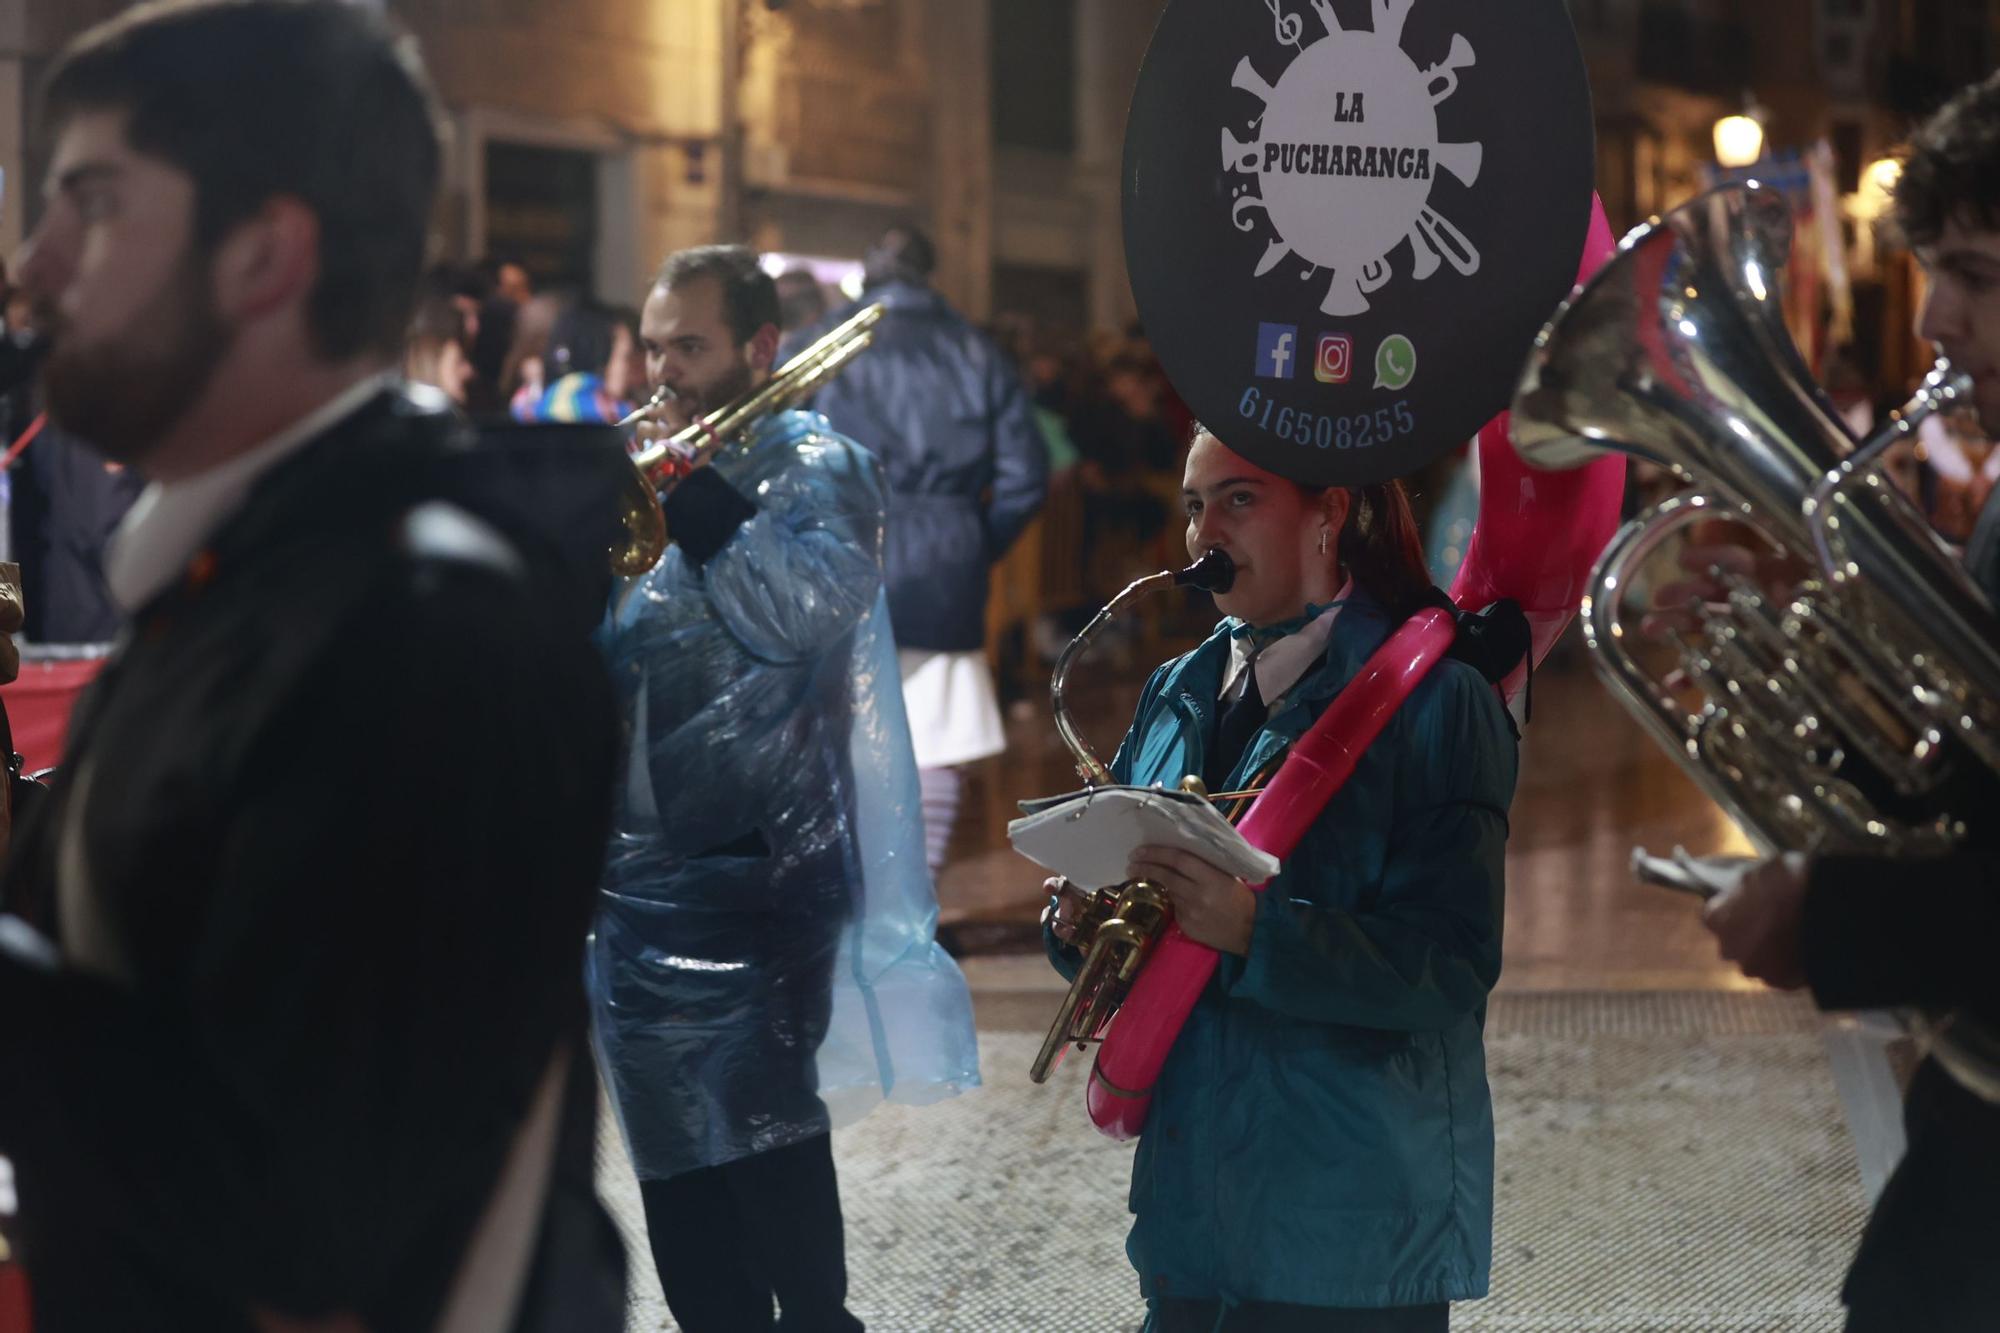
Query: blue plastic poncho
(764, 963)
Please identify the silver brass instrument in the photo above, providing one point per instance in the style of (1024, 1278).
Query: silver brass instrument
(1859, 711)
(661, 465)
(1118, 925)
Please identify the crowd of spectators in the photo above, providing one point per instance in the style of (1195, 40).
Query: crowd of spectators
(486, 339)
(1115, 429)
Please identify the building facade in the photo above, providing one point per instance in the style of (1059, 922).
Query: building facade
(592, 137)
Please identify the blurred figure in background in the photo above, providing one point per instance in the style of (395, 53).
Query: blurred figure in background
(523, 369)
(512, 282)
(594, 367)
(438, 350)
(490, 332)
(60, 502)
(1129, 454)
(67, 501)
(966, 469)
(801, 300)
(1061, 593)
(1042, 376)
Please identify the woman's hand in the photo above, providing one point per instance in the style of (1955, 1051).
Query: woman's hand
(1212, 906)
(1065, 910)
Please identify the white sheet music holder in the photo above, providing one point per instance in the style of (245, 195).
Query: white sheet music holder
(1088, 837)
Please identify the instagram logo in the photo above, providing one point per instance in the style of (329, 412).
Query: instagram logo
(1335, 361)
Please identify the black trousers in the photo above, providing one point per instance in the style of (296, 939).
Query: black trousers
(1927, 1258)
(729, 1239)
(1209, 1317)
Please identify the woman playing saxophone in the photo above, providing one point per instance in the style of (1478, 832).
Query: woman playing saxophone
(1319, 1153)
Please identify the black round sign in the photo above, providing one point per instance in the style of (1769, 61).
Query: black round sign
(1346, 220)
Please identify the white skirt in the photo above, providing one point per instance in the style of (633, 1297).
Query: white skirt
(954, 709)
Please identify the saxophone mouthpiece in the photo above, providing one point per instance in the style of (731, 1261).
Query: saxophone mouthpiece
(1214, 572)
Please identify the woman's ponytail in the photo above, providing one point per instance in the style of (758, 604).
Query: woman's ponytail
(1381, 549)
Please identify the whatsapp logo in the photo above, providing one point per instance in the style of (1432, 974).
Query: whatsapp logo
(1395, 362)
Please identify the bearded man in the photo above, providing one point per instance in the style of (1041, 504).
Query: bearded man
(764, 959)
(299, 1042)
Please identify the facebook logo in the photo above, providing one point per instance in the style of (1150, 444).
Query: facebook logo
(1277, 351)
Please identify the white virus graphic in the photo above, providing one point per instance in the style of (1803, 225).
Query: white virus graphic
(1346, 152)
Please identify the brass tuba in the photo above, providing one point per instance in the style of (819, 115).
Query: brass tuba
(660, 466)
(1119, 924)
(1857, 711)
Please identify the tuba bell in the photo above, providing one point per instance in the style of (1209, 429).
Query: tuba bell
(660, 466)
(1856, 710)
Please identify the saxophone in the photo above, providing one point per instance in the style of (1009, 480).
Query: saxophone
(1119, 925)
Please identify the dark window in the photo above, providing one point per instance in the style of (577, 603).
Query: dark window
(541, 212)
(1034, 74)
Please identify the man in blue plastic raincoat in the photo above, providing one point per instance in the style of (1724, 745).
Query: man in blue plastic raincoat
(763, 965)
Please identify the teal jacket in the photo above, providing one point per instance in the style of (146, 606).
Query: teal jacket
(1322, 1133)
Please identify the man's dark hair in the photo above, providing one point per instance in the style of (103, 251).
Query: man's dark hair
(437, 319)
(1952, 169)
(260, 99)
(749, 297)
(902, 254)
(583, 336)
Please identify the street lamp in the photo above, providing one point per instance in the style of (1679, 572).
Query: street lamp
(1739, 140)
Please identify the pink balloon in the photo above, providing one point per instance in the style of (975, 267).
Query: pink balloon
(1540, 532)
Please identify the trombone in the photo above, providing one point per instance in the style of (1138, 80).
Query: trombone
(664, 464)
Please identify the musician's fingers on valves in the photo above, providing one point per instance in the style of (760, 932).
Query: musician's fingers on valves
(1756, 921)
(1701, 571)
(1212, 906)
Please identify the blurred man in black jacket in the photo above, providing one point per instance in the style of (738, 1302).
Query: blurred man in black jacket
(1872, 932)
(307, 1049)
(967, 467)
